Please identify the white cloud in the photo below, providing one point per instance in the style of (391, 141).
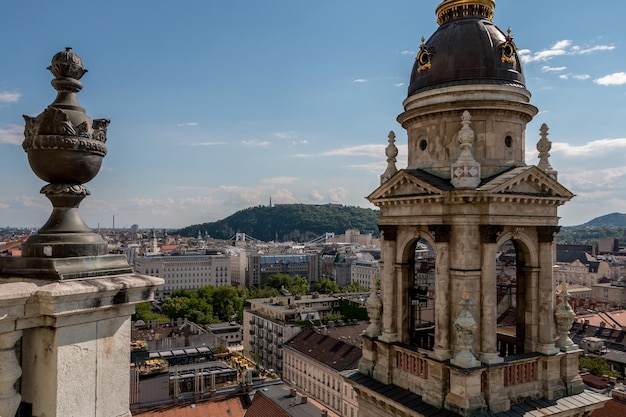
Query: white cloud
(407, 52)
(283, 196)
(576, 50)
(398, 85)
(291, 137)
(547, 68)
(315, 196)
(188, 124)
(6, 97)
(284, 135)
(12, 134)
(560, 48)
(207, 143)
(280, 180)
(337, 194)
(580, 77)
(595, 148)
(359, 80)
(618, 78)
(255, 142)
(375, 151)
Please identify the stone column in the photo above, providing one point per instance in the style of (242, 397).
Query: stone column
(10, 372)
(76, 362)
(13, 299)
(389, 283)
(442, 291)
(546, 290)
(489, 295)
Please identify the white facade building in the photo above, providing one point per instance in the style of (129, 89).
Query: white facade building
(185, 271)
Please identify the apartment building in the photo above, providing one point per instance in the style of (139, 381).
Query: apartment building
(314, 361)
(188, 271)
(269, 322)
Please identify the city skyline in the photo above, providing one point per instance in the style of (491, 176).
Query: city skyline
(219, 106)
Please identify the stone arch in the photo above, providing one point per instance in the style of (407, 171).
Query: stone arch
(416, 322)
(519, 337)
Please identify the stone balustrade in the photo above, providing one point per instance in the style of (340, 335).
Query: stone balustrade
(521, 373)
(412, 363)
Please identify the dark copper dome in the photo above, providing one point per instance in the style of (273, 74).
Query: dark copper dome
(467, 49)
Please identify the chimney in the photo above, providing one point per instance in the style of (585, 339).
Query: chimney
(303, 399)
(292, 392)
(324, 413)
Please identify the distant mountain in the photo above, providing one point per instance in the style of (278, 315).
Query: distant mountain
(608, 220)
(285, 222)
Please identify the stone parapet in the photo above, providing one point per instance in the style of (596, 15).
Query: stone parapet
(75, 343)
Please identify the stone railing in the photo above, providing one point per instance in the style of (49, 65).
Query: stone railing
(412, 363)
(75, 344)
(521, 373)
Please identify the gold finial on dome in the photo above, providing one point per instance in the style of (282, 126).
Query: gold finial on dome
(455, 9)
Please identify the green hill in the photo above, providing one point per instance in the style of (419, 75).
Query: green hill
(608, 220)
(289, 222)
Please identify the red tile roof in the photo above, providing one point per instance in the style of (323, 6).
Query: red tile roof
(262, 406)
(325, 349)
(612, 408)
(230, 407)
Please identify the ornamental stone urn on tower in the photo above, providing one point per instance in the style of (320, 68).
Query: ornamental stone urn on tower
(65, 148)
(66, 304)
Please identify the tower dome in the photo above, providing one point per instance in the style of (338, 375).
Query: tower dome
(467, 48)
(468, 64)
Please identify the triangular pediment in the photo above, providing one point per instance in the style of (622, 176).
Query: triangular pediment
(528, 180)
(407, 183)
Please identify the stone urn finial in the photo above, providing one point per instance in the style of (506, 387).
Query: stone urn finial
(374, 308)
(544, 146)
(65, 148)
(564, 316)
(465, 327)
(391, 151)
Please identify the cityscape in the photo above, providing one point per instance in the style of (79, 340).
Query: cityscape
(459, 293)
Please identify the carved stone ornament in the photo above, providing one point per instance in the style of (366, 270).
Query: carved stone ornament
(564, 316)
(466, 171)
(544, 146)
(65, 148)
(508, 49)
(391, 152)
(424, 57)
(374, 308)
(465, 327)
(489, 233)
(390, 232)
(441, 232)
(546, 234)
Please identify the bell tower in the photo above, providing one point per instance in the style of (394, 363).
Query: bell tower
(466, 318)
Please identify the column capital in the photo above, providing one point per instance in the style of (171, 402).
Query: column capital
(546, 234)
(390, 232)
(441, 232)
(489, 233)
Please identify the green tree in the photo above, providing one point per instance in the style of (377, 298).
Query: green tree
(596, 365)
(175, 307)
(326, 286)
(143, 311)
(299, 285)
(279, 281)
(354, 287)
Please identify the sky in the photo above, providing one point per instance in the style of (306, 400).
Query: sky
(216, 106)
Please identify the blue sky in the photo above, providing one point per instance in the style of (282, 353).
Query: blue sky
(216, 106)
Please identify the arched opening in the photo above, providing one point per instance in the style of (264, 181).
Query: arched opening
(421, 295)
(512, 279)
